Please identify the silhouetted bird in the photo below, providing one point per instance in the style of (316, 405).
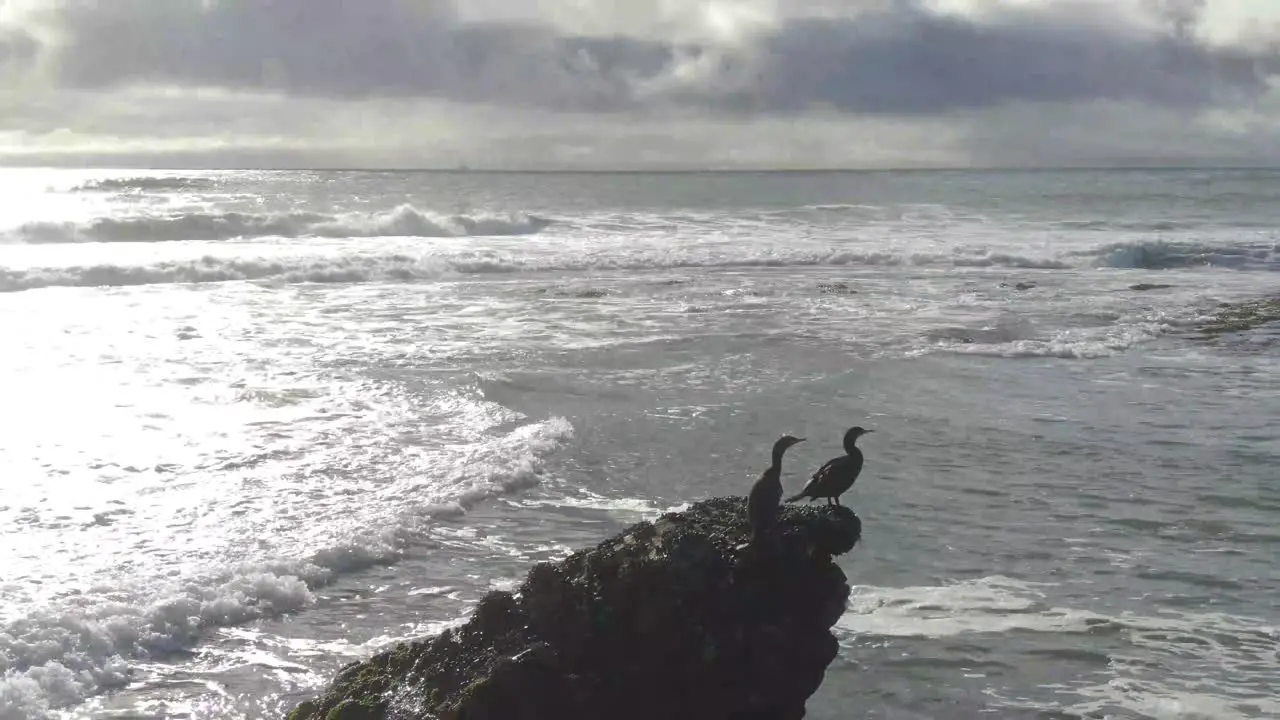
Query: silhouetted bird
(766, 493)
(838, 474)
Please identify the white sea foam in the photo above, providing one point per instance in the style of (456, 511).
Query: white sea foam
(65, 649)
(1189, 646)
(405, 267)
(145, 183)
(401, 221)
(991, 604)
(1072, 344)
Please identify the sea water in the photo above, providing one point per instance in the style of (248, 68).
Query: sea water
(256, 425)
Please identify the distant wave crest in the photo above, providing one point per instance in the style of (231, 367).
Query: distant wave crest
(144, 184)
(416, 268)
(402, 221)
(1173, 255)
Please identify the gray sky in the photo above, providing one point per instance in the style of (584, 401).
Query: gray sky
(639, 83)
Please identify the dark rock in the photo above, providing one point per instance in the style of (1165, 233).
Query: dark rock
(671, 619)
(1240, 317)
(837, 288)
(1150, 286)
(585, 294)
(304, 710)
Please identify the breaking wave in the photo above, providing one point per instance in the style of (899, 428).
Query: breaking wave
(402, 221)
(55, 656)
(145, 184)
(1172, 255)
(416, 268)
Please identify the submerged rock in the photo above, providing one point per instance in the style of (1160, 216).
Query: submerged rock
(1150, 286)
(671, 619)
(1241, 317)
(836, 288)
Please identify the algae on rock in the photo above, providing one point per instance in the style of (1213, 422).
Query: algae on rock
(672, 619)
(1241, 317)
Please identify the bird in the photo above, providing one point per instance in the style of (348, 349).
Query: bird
(837, 474)
(766, 493)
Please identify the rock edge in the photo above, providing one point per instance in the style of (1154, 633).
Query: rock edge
(676, 618)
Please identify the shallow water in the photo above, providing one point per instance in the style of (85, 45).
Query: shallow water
(260, 424)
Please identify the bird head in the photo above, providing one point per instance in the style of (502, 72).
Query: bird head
(783, 443)
(853, 434)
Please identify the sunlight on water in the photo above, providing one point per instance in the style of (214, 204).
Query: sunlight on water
(256, 425)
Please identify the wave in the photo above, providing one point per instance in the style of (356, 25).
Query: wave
(1172, 255)
(1068, 344)
(403, 267)
(410, 268)
(144, 184)
(402, 221)
(1143, 660)
(1152, 226)
(57, 656)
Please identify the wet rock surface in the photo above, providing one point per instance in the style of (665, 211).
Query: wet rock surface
(1239, 317)
(677, 618)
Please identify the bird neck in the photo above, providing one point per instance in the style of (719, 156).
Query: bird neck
(851, 446)
(777, 458)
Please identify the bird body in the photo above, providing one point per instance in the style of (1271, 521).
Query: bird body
(836, 475)
(766, 493)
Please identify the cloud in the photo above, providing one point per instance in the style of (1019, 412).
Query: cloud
(900, 58)
(17, 47)
(646, 83)
(914, 61)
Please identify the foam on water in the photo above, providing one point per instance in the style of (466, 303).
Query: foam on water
(991, 604)
(224, 484)
(410, 263)
(1157, 665)
(65, 649)
(405, 220)
(251, 418)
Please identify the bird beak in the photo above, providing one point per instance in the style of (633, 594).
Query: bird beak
(799, 440)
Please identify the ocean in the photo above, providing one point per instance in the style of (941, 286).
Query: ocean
(256, 425)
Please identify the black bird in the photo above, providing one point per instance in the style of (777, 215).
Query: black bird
(838, 474)
(766, 493)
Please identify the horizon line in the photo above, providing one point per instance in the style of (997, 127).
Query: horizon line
(464, 170)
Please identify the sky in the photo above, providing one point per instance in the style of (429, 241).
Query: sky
(639, 84)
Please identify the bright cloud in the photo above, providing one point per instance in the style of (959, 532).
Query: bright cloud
(587, 83)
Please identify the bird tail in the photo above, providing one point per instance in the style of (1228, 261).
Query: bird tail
(794, 498)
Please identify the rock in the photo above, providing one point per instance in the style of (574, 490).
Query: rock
(669, 619)
(353, 710)
(1019, 286)
(837, 288)
(1150, 286)
(1239, 317)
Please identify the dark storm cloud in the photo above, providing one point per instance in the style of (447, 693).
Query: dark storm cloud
(902, 60)
(928, 63)
(16, 47)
